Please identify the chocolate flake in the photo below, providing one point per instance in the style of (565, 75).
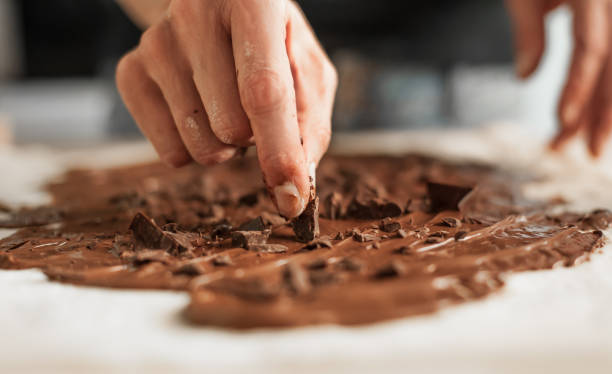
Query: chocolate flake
(349, 264)
(450, 222)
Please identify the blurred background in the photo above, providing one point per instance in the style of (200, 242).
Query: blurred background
(402, 65)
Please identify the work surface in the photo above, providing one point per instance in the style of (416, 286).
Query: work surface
(555, 321)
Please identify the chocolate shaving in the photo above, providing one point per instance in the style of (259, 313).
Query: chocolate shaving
(321, 242)
(349, 264)
(192, 268)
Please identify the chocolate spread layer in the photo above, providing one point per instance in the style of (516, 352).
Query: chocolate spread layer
(396, 236)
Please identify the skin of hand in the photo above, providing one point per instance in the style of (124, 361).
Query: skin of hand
(586, 100)
(211, 76)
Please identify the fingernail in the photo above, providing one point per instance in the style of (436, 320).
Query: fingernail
(312, 173)
(290, 203)
(524, 62)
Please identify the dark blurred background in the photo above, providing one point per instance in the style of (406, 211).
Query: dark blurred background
(402, 64)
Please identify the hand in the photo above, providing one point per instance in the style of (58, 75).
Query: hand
(586, 101)
(215, 75)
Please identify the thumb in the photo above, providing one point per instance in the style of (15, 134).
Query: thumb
(527, 18)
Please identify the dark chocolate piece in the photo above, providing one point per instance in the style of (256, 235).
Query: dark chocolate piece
(247, 239)
(375, 208)
(306, 225)
(256, 224)
(150, 236)
(391, 270)
(388, 225)
(445, 196)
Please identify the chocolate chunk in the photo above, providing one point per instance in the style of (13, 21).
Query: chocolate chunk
(391, 270)
(403, 250)
(250, 199)
(445, 196)
(268, 248)
(349, 264)
(306, 225)
(450, 222)
(321, 242)
(150, 236)
(192, 268)
(296, 279)
(317, 264)
(460, 235)
(221, 230)
(363, 237)
(222, 260)
(333, 206)
(246, 239)
(339, 236)
(256, 224)
(375, 208)
(272, 219)
(389, 225)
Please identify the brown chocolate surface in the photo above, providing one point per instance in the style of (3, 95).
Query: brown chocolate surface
(399, 236)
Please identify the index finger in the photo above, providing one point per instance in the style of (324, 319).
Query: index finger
(265, 83)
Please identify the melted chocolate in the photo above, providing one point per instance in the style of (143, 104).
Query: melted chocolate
(399, 236)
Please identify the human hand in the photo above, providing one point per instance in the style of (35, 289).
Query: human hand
(216, 75)
(586, 100)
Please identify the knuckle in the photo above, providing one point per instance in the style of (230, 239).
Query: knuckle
(592, 48)
(152, 42)
(263, 91)
(126, 67)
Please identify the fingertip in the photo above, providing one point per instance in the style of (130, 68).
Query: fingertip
(176, 159)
